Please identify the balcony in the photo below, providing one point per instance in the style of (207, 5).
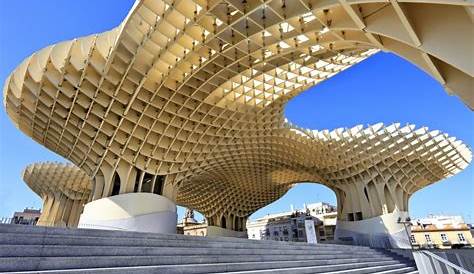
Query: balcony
(428, 246)
(446, 243)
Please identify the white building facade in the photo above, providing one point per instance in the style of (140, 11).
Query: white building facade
(290, 226)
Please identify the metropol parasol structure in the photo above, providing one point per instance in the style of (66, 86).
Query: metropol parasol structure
(183, 104)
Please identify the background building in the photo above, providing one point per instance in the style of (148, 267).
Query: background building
(189, 225)
(327, 215)
(192, 227)
(199, 229)
(441, 232)
(290, 226)
(29, 216)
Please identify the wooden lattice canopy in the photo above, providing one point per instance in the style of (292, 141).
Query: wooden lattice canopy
(193, 91)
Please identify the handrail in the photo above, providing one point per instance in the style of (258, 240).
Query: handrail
(445, 262)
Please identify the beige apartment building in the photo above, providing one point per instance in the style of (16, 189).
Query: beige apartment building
(441, 232)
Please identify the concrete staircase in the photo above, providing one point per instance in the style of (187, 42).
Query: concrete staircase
(30, 249)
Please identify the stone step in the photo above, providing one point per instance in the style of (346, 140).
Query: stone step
(51, 263)
(56, 231)
(402, 270)
(252, 267)
(62, 250)
(67, 250)
(405, 270)
(7, 228)
(36, 239)
(385, 269)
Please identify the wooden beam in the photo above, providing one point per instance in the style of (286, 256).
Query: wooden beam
(400, 10)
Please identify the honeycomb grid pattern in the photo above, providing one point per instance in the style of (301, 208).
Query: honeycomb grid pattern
(195, 91)
(389, 162)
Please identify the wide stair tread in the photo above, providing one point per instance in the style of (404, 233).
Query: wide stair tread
(65, 250)
(191, 241)
(60, 250)
(260, 267)
(67, 233)
(50, 263)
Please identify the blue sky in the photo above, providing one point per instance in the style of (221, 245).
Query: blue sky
(384, 88)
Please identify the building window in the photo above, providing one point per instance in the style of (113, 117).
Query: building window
(444, 237)
(412, 239)
(428, 238)
(461, 238)
(350, 217)
(295, 233)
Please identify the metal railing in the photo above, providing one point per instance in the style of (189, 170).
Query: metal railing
(16, 221)
(429, 263)
(5, 220)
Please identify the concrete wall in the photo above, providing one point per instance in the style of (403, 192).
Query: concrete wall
(382, 231)
(215, 231)
(145, 212)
